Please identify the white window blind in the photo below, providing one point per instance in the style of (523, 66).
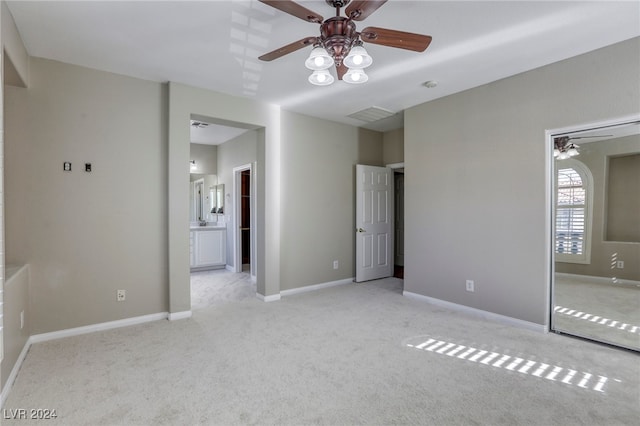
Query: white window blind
(570, 213)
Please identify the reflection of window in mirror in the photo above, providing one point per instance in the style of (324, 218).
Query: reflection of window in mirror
(623, 198)
(574, 192)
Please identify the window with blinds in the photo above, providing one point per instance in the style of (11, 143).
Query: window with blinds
(570, 213)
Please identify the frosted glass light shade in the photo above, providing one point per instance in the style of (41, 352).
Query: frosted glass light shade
(572, 151)
(318, 59)
(358, 58)
(355, 76)
(321, 78)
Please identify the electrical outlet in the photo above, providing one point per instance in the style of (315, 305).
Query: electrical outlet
(620, 264)
(21, 320)
(470, 286)
(335, 264)
(121, 295)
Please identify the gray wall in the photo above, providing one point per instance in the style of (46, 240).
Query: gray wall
(318, 207)
(13, 70)
(16, 300)
(206, 158)
(623, 198)
(393, 146)
(477, 177)
(87, 234)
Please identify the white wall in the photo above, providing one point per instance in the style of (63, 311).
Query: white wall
(476, 178)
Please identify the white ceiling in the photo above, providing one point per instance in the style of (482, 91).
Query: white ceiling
(215, 45)
(214, 134)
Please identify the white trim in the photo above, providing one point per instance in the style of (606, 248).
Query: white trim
(316, 287)
(272, 298)
(44, 337)
(229, 268)
(14, 373)
(550, 196)
(478, 312)
(173, 316)
(598, 280)
(54, 335)
(395, 165)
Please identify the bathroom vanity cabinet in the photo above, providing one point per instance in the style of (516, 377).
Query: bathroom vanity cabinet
(208, 247)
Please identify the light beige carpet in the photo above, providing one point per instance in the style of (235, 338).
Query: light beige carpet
(605, 312)
(352, 354)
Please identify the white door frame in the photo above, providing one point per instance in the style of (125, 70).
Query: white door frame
(369, 227)
(237, 233)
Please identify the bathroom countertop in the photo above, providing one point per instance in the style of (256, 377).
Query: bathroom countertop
(207, 228)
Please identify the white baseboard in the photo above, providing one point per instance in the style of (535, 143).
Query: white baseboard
(272, 298)
(44, 337)
(478, 312)
(316, 287)
(37, 338)
(230, 268)
(598, 280)
(179, 315)
(14, 373)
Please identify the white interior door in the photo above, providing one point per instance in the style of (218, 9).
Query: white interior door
(399, 217)
(374, 222)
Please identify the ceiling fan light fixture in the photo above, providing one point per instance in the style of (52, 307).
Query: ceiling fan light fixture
(318, 59)
(355, 76)
(358, 57)
(321, 78)
(572, 151)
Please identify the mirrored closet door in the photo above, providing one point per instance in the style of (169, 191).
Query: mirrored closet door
(596, 234)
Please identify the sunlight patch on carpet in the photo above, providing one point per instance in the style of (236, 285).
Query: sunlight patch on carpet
(499, 360)
(620, 325)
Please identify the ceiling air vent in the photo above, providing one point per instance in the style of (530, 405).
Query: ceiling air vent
(199, 124)
(372, 114)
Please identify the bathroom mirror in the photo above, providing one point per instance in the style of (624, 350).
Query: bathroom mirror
(201, 199)
(596, 234)
(216, 196)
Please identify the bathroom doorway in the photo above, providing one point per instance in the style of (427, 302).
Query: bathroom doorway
(244, 235)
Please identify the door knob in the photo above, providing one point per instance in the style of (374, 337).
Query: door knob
(360, 230)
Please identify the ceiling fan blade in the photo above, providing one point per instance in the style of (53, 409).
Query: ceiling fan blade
(394, 38)
(359, 10)
(289, 48)
(293, 8)
(341, 70)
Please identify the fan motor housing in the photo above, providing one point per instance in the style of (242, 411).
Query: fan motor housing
(338, 35)
(337, 3)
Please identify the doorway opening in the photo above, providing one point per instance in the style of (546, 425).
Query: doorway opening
(398, 247)
(244, 235)
(245, 216)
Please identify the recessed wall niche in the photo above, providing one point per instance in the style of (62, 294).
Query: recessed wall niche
(623, 198)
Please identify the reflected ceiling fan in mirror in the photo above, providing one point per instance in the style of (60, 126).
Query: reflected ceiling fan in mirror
(563, 148)
(339, 44)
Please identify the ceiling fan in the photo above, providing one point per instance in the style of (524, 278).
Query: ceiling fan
(339, 43)
(564, 149)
